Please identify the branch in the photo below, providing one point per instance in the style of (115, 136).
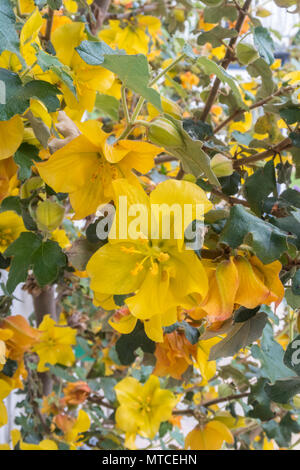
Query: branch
(226, 61)
(99, 9)
(230, 199)
(49, 24)
(238, 112)
(137, 11)
(278, 148)
(209, 403)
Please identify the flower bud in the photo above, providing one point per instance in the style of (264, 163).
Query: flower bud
(30, 185)
(49, 215)
(164, 133)
(221, 165)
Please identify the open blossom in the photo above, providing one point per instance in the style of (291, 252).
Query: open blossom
(142, 407)
(239, 281)
(55, 344)
(157, 271)
(174, 355)
(209, 436)
(86, 167)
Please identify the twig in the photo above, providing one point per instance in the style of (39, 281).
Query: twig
(238, 112)
(226, 61)
(49, 24)
(209, 403)
(278, 148)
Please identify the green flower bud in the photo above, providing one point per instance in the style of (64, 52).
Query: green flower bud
(164, 133)
(30, 185)
(49, 215)
(221, 165)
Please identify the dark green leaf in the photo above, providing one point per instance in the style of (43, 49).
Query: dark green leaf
(25, 157)
(267, 241)
(259, 185)
(128, 344)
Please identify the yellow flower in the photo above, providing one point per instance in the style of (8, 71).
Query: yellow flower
(135, 37)
(11, 225)
(45, 444)
(55, 344)
(157, 269)
(242, 281)
(8, 178)
(210, 436)
(5, 390)
(29, 37)
(73, 427)
(26, 6)
(188, 80)
(142, 407)
(10, 61)
(60, 236)
(5, 334)
(11, 136)
(88, 79)
(207, 368)
(87, 165)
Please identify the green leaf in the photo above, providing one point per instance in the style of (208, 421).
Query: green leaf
(50, 62)
(194, 160)
(216, 36)
(215, 14)
(290, 114)
(211, 67)
(283, 389)
(128, 344)
(282, 432)
(132, 70)
(17, 96)
(25, 157)
(259, 68)
(11, 203)
(260, 401)
(9, 39)
(29, 250)
(264, 44)
(259, 185)
(21, 250)
(246, 53)
(47, 260)
(296, 283)
(293, 300)
(109, 105)
(295, 138)
(267, 241)
(270, 354)
(239, 336)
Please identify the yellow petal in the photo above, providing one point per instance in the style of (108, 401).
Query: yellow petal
(11, 136)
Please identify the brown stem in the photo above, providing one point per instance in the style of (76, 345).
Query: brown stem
(129, 14)
(226, 61)
(99, 9)
(49, 24)
(278, 148)
(239, 112)
(230, 199)
(209, 403)
(44, 304)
